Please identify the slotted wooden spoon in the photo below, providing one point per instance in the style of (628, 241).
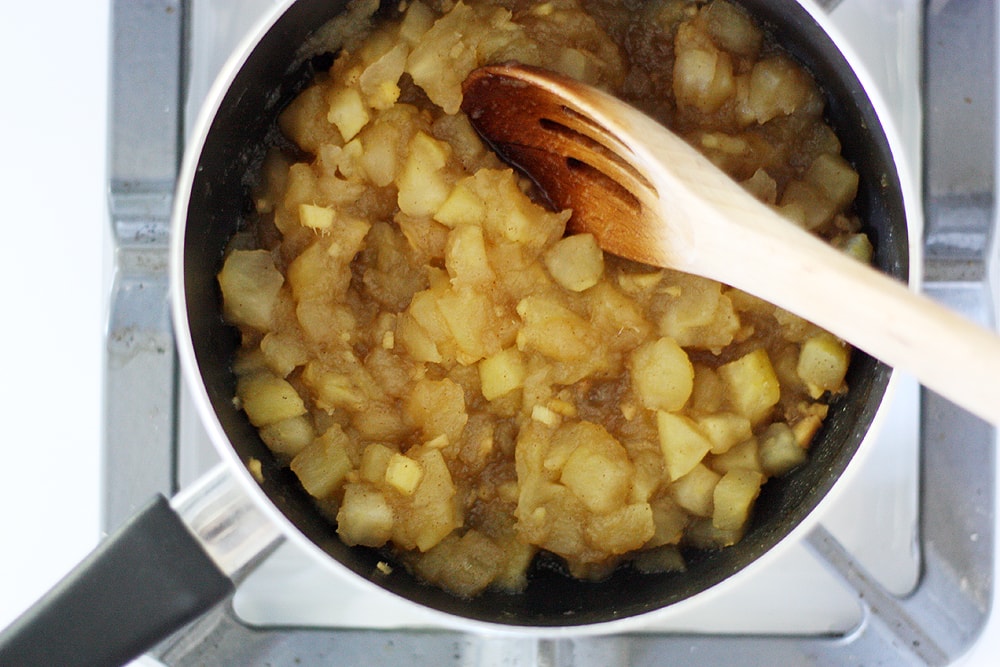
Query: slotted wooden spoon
(646, 195)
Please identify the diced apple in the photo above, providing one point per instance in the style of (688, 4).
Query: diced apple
(732, 28)
(662, 374)
(823, 363)
(374, 462)
(778, 87)
(323, 465)
(502, 373)
(462, 207)
(462, 565)
(669, 520)
(752, 385)
(466, 311)
(725, 429)
(694, 491)
(858, 246)
(734, 497)
(835, 177)
(575, 262)
(744, 455)
(700, 315)
(365, 516)
(403, 474)
(268, 399)
(347, 111)
(288, 437)
(806, 204)
(418, 20)
(380, 81)
(434, 512)
(305, 122)
(423, 187)
(283, 352)
(623, 529)
(417, 341)
(682, 441)
(554, 330)
(665, 558)
(703, 75)
(250, 286)
(333, 388)
(779, 449)
(437, 407)
(598, 471)
(465, 257)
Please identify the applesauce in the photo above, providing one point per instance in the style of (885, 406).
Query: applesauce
(454, 380)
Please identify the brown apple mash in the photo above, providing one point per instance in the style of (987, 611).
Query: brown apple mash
(453, 379)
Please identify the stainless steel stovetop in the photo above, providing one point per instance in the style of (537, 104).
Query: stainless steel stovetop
(900, 570)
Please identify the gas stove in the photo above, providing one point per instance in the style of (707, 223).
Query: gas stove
(899, 569)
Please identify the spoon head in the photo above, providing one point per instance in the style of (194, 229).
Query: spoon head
(575, 163)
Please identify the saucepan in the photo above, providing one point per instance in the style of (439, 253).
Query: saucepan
(177, 559)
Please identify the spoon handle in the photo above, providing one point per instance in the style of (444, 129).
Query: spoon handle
(742, 242)
(948, 354)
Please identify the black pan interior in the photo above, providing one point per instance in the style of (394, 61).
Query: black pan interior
(220, 199)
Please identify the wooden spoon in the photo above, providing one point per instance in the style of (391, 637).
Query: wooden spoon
(646, 195)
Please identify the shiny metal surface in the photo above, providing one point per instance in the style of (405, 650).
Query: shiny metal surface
(230, 526)
(147, 81)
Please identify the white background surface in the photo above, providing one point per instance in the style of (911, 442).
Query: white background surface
(53, 68)
(53, 281)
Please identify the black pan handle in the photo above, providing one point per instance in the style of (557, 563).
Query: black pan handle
(167, 565)
(146, 580)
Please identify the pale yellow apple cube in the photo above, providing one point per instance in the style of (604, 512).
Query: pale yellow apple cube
(283, 352)
(347, 111)
(403, 474)
(462, 207)
(422, 185)
(779, 449)
(418, 20)
(380, 80)
(745, 455)
(835, 177)
(823, 363)
(575, 262)
(465, 256)
(597, 471)
(316, 217)
(416, 340)
(694, 491)
(466, 312)
(268, 399)
(365, 516)
(751, 384)
(734, 497)
(662, 374)
(323, 466)
(554, 330)
(682, 442)
(703, 77)
(778, 87)
(289, 436)
(623, 529)
(374, 462)
(251, 287)
(725, 430)
(502, 373)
